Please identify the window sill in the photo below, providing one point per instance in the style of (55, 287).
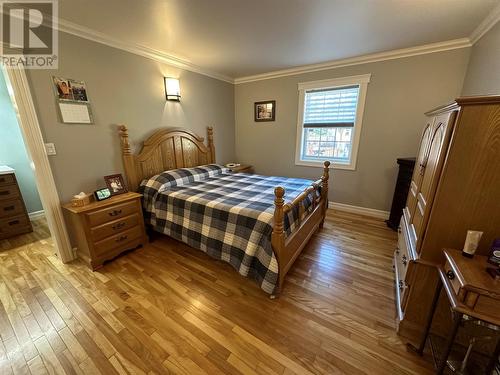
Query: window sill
(319, 164)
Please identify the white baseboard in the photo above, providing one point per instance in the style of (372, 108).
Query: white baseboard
(379, 214)
(36, 215)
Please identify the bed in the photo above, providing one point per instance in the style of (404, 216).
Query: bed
(258, 224)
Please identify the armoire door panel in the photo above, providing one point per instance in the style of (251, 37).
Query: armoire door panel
(419, 169)
(433, 163)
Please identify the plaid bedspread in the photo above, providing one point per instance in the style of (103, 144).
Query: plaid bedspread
(227, 215)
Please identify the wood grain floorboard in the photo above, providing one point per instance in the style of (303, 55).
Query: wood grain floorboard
(167, 308)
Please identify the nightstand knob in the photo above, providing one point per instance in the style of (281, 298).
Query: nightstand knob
(450, 275)
(121, 238)
(115, 212)
(119, 225)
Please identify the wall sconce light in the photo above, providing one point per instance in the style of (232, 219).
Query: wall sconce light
(172, 89)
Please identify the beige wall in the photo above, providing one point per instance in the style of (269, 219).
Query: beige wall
(399, 93)
(123, 88)
(483, 72)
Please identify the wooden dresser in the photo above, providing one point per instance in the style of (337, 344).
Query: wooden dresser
(474, 291)
(455, 187)
(107, 228)
(14, 219)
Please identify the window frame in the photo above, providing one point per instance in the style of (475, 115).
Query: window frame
(359, 80)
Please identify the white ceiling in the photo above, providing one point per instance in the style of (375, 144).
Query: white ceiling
(245, 37)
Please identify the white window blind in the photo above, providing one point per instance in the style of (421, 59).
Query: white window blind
(330, 117)
(329, 108)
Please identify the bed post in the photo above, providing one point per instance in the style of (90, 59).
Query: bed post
(278, 235)
(324, 190)
(211, 145)
(128, 159)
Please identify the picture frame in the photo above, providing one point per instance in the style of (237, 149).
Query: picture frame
(116, 184)
(265, 111)
(68, 89)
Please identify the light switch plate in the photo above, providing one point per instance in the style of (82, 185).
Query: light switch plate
(50, 148)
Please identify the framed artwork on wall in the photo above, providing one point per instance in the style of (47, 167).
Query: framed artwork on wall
(265, 111)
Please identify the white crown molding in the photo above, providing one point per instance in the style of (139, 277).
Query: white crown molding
(363, 59)
(150, 53)
(379, 214)
(491, 19)
(169, 59)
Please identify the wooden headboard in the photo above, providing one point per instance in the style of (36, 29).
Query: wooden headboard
(166, 149)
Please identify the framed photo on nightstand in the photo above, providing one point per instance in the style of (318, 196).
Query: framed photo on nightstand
(115, 184)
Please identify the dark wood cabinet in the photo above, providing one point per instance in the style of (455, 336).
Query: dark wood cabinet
(403, 181)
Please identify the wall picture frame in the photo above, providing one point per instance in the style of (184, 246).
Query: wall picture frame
(116, 184)
(265, 111)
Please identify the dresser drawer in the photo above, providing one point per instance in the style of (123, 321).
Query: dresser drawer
(6, 179)
(452, 278)
(14, 224)
(118, 240)
(9, 192)
(113, 227)
(11, 208)
(402, 254)
(112, 213)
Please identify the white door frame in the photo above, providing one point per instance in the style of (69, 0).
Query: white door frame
(20, 94)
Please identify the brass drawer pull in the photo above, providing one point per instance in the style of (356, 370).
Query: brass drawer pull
(14, 222)
(121, 238)
(9, 208)
(119, 225)
(450, 275)
(5, 192)
(115, 212)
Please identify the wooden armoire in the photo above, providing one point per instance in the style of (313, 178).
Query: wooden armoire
(455, 187)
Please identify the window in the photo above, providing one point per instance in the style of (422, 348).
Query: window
(329, 121)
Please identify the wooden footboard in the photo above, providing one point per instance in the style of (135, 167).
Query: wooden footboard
(287, 249)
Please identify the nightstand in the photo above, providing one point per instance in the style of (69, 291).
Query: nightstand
(242, 169)
(107, 228)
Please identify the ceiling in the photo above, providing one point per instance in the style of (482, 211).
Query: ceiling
(245, 37)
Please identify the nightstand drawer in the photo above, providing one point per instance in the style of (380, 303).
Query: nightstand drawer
(114, 227)
(118, 240)
(9, 192)
(111, 213)
(6, 179)
(11, 208)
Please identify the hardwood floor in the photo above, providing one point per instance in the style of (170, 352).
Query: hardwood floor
(168, 308)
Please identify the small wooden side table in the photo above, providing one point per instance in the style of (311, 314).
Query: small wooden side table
(242, 168)
(472, 294)
(107, 228)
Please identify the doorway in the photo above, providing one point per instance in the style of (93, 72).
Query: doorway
(19, 92)
(22, 218)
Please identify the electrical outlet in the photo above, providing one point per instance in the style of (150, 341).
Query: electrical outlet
(50, 149)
